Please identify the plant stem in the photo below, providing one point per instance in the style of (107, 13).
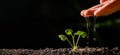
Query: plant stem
(77, 40)
(73, 40)
(70, 43)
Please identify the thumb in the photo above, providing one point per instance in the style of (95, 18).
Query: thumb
(101, 1)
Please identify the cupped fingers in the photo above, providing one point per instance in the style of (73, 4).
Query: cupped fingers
(90, 11)
(107, 9)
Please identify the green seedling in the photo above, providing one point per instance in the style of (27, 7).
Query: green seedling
(69, 32)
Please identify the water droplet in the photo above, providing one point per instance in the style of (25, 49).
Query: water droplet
(94, 39)
(87, 43)
(91, 28)
(94, 29)
(88, 27)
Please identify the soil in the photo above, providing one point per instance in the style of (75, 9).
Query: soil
(62, 51)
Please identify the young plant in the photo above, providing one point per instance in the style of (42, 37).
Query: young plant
(77, 34)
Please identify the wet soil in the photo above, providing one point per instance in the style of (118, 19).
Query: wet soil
(62, 51)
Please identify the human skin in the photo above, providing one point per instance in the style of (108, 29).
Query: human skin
(105, 8)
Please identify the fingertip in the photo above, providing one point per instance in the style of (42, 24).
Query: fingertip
(99, 12)
(96, 13)
(88, 13)
(82, 12)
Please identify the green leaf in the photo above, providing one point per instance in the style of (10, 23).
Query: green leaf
(62, 37)
(81, 33)
(68, 31)
(78, 33)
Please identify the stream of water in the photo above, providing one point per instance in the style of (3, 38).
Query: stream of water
(89, 24)
(88, 31)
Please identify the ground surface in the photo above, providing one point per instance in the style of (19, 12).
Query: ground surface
(61, 51)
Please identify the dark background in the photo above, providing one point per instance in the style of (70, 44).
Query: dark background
(37, 23)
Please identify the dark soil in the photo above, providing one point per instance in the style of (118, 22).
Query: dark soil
(61, 51)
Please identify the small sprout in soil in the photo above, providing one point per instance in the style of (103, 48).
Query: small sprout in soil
(77, 34)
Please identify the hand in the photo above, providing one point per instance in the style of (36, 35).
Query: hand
(105, 8)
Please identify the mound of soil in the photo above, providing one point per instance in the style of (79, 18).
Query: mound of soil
(62, 51)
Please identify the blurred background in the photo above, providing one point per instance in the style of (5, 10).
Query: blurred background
(37, 23)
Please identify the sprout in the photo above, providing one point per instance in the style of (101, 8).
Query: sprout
(69, 33)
